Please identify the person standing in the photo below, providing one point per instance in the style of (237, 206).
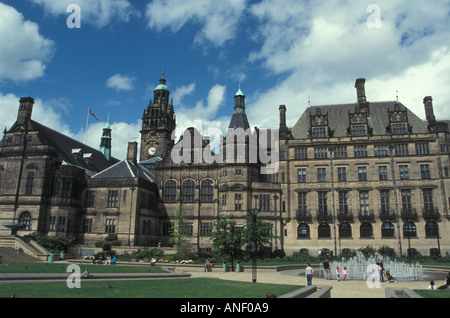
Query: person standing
(309, 272)
(326, 267)
(381, 270)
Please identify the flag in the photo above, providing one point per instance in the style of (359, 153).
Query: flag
(90, 112)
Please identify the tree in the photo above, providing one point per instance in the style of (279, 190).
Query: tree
(226, 237)
(109, 242)
(178, 231)
(257, 236)
(54, 243)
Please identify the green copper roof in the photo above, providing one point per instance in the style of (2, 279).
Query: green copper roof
(239, 92)
(161, 87)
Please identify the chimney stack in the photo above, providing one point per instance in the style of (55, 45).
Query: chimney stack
(282, 109)
(25, 109)
(132, 152)
(361, 93)
(429, 112)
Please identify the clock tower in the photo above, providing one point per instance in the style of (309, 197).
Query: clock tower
(158, 122)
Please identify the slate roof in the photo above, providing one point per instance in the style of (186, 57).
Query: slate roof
(239, 120)
(339, 120)
(125, 169)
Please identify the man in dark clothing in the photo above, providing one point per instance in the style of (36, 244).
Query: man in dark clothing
(326, 267)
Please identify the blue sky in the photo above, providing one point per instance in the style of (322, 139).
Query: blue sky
(281, 52)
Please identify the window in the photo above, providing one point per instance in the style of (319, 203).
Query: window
(425, 171)
(320, 153)
(187, 191)
(431, 229)
(403, 169)
(223, 201)
(359, 130)
(322, 198)
(237, 203)
(87, 225)
(29, 183)
(29, 140)
(381, 151)
(90, 198)
(66, 189)
(409, 230)
(301, 153)
(343, 202)
(345, 230)
(319, 132)
(25, 218)
(342, 174)
(324, 231)
(124, 195)
(170, 191)
(206, 191)
(264, 202)
(364, 202)
(399, 129)
(384, 202)
(52, 223)
(382, 173)
(340, 152)
(303, 231)
(321, 175)
(110, 226)
(61, 226)
(360, 151)
(112, 199)
(362, 173)
(301, 175)
(366, 230)
(205, 229)
(187, 228)
(406, 202)
(238, 172)
(387, 230)
(428, 201)
(401, 150)
(302, 203)
(422, 149)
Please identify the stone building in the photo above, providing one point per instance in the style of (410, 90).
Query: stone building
(345, 176)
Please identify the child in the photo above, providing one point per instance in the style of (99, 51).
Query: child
(344, 273)
(338, 273)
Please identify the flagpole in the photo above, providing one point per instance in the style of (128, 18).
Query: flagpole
(87, 120)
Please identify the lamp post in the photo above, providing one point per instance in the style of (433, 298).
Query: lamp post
(254, 212)
(275, 197)
(331, 150)
(131, 213)
(391, 152)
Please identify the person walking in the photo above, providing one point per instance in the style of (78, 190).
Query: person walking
(309, 272)
(326, 267)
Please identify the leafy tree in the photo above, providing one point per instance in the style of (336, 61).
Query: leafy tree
(54, 243)
(178, 231)
(257, 236)
(227, 242)
(109, 242)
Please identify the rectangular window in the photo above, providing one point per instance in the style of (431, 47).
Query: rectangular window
(404, 174)
(340, 152)
(384, 201)
(362, 173)
(319, 132)
(323, 207)
(301, 175)
(87, 226)
(425, 171)
(399, 129)
(205, 229)
(382, 173)
(401, 150)
(321, 175)
(381, 150)
(428, 200)
(364, 202)
(359, 130)
(343, 202)
(342, 174)
(52, 223)
(422, 149)
(90, 198)
(112, 199)
(264, 202)
(360, 151)
(320, 153)
(406, 201)
(29, 183)
(61, 226)
(301, 153)
(302, 202)
(66, 189)
(110, 226)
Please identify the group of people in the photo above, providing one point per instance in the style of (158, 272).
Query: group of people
(109, 260)
(209, 265)
(339, 271)
(446, 286)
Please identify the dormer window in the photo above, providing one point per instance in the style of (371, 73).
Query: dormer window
(399, 129)
(359, 130)
(319, 132)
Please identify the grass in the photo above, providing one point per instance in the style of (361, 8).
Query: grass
(433, 293)
(151, 288)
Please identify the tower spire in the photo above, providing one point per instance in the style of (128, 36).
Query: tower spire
(105, 142)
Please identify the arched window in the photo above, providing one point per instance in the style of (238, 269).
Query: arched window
(366, 230)
(345, 230)
(206, 191)
(25, 218)
(303, 231)
(187, 191)
(170, 191)
(431, 229)
(409, 230)
(387, 230)
(324, 230)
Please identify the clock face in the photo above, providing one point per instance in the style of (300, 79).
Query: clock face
(151, 151)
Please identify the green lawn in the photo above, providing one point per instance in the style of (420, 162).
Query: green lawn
(157, 288)
(433, 293)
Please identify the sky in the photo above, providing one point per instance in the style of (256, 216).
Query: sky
(108, 55)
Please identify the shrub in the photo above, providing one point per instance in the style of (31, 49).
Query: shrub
(387, 251)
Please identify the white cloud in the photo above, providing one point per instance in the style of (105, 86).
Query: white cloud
(25, 52)
(120, 82)
(218, 19)
(96, 12)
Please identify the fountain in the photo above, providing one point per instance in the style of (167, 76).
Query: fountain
(14, 226)
(358, 265)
